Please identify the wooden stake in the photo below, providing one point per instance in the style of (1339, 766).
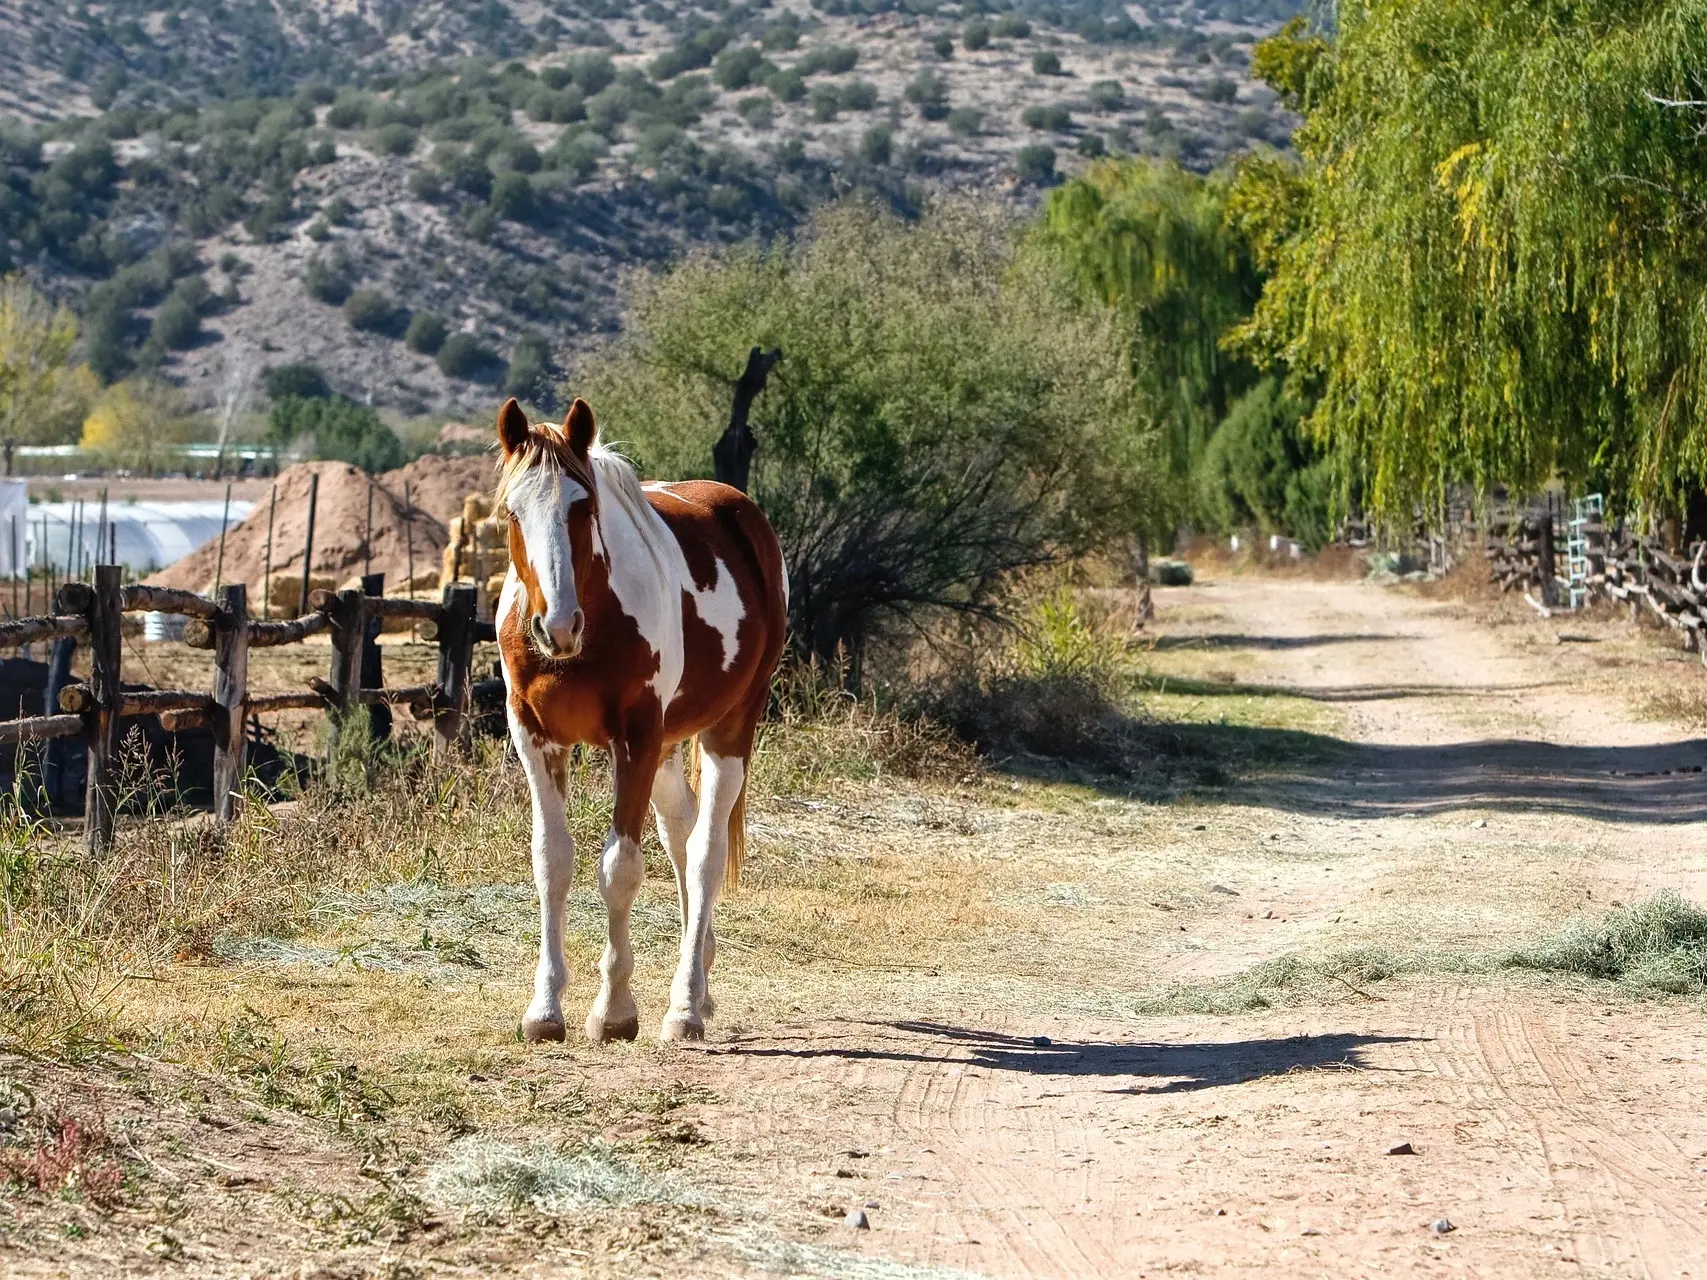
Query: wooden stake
(367, 536)
(224, 520)
(106, 619)
(456, 656)
(230, 692)
(308, 545)
(267, 573)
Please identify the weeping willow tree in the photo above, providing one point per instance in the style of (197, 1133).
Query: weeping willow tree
(1493, 264)
(1150, 239)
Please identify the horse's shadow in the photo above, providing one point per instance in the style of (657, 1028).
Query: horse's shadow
(1151, 1067)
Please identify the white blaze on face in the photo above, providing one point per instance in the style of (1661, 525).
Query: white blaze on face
(540, 499)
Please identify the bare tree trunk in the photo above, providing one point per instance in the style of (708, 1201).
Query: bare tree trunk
(732, 455)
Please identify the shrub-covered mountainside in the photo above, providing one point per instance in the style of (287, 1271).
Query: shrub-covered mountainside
(435, 201)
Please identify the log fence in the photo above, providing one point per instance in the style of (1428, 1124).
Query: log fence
(91, 710)
(1605, 560)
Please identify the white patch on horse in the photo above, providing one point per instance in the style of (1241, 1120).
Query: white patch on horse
(721, 609)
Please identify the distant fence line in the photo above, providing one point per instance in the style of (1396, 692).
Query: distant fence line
(93, 612)
(1604, 560)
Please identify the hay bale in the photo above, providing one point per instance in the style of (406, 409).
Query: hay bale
(284, 591)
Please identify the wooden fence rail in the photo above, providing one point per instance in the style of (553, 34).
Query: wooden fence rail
(1615, 563)
(94, 611)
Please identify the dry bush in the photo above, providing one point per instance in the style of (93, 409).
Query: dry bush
(1333, 563)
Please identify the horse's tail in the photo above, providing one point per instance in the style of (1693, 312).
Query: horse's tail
(737, 837)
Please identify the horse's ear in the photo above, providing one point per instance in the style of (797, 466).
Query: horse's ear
(512, 426)
(579, 429)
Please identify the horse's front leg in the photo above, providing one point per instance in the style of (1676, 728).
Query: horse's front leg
(546, 766)
(622, 870)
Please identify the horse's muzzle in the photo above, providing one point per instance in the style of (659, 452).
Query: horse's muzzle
(563, 641)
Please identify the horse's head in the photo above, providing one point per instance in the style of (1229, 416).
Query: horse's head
(548, 491)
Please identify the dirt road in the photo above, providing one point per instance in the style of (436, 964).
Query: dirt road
(1249, 1019)
(1495, 783)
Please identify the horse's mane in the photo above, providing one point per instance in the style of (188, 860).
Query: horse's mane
(605, 471)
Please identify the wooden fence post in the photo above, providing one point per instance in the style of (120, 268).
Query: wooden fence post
(230, 692)
(348, 617)
(57, 755)
(106, 619)
(373, 661)
(456, 656)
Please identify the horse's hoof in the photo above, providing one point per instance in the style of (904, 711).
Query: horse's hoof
(543, 1030)
(603, 1031)
(681, 1026)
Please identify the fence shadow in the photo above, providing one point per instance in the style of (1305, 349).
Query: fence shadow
(1148, 1066)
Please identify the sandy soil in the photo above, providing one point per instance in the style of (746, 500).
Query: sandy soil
(967, 1062)
(1560, 1133)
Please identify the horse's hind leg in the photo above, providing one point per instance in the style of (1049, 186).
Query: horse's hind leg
(622, 870)
(674, 805)
(725, 749)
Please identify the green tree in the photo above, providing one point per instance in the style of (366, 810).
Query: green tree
(36, 340)
(1493, 261)
(946, 412)
(341, 430)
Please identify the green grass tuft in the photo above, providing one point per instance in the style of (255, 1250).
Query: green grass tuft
(1656, 945)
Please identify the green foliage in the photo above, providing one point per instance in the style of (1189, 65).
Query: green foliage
(945, 414)
(739, 67)
(943, 47)
(512, 197)
(1010, 26)
(1056, 119)
(831, 59)
(371, 310)
(690, 55)
(1498, 259)
(1151, 238)
(330, 278)
(296, 381)
(529, 374)
(1288, 60)
(786, 85)
(393, 139)
(975, 34)
(929, 92)
(1107, 95)
(1036, 164)
(426, 333)
(1261, 468)
(342, 430)
(965, 121)
(1045, 62)
(876, 144)
(462, 356)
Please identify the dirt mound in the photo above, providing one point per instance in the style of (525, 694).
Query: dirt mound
(436, 488)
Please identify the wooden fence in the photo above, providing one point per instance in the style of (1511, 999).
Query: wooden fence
(1601, 560)
(94, 613)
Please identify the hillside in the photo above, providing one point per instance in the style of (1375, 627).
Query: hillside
(348, 184)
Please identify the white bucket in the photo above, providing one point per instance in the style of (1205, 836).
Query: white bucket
(158, 627)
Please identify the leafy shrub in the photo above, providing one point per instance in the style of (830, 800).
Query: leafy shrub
(1261, 467)
(1219, 89)
(556, 78)
(330, 278)
(564, 106)
(1092, 144)
(755, 111)
(787, 86)
(425, 183)
(465, 171)
(578, 155)
(1056, 119)
(1107, 95)
(519, 155)
(462, 356)
(177, 325)
(965, 121)
(737, 68)
(975, 34)
(592, 72)
(529, 374)
(784, 33)
(426, 333)
(929, 92)
(1010, 26)
(342, 430)
(949, 414)
(371, 311)
(831, 59)
(482, 224)
(690, 55)
(512, 197)
(876, 144)
(1046, 62)
(825, 101)
(1036, 163)
(349, 111)
(324, 152)
(393, 139)
(943, 47)
(858, 95)
(298, 381)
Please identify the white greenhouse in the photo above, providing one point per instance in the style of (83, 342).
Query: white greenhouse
(148, 535)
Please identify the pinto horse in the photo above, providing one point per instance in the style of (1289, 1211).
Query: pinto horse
(633, 618)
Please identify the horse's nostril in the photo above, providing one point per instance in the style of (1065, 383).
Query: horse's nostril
(577, 623)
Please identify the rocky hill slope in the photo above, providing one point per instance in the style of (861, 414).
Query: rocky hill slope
(437, 201)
